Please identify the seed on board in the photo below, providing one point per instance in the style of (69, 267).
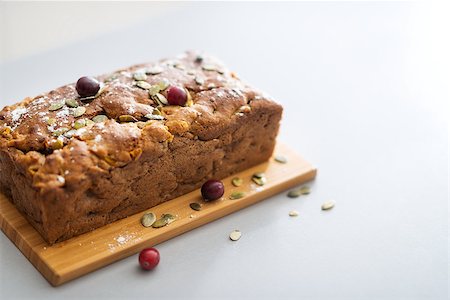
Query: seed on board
(148, 219)
(72, 103)
(160, 223)
(143, 85)
(293, 213)
(328, 205)
(79, 111)
(169, 217)
(236, 181)
(259, 178)
(56, 106)
(99, 118)
(140, 76)
(195, 206)
(281, 159)
(235, 235)
(236, 195)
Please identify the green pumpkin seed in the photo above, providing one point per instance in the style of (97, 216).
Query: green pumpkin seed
(237, 195)
(154, 70)
(328, 205)
(72, 103)
(153, 90)
(293, 213)
(164, 84)
(127, 118)
(139, 76)
(235, 235)
(143, 85)
(80, 123)
(236, 181)
(51, 121)
(99, 118)
(160, 223)
(259, 178)
(89, 122)
(69, 134)
(169, 217)
(160, 99)
(281, 159)
(199, 81)
(148, 219)
(79, 111)
(195, 206)
(60, 131)
(154, 117)
(304, 190)
(56, 105)
(56, 144)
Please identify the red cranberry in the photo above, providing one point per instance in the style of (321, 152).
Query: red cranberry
(149, 258)
(87, 86)
(176, 96)
(212, 190)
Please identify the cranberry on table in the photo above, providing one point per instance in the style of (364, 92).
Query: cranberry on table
(176, 96)
(212, 190)
(87, 86)
(149, 258)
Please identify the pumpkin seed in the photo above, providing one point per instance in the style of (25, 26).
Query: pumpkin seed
(160, 99)
(154, 117)
(304, 190)
(154, 70)
(236, 181)
(199, 81)
(139, 76)
(51, 121)
(259, 178)
(235, 235)
(293, 213)
(79, 111)
(164, 84)
(281, 159)
(156, 111)
(127, 118)
(190, 72)
(179, 66)
(328, 205)
(69, 134)
(209, 67)
(56, 144)
(143, 85)
(169, 217)
(60, 131)
(153, 90)
(99, 118)
(237, 195)
(72, 103)
(195, 206)
(89, 122)
(80, 123)
(56, 105)
(148, 219)
(160, 223)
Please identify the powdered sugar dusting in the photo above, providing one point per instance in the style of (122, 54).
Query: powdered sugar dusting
(16, 114)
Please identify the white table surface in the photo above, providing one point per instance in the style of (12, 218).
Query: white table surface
(365, 101)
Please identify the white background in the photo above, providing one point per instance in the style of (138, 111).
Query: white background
(365, 87)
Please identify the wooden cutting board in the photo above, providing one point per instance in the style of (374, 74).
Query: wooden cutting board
(80, 255)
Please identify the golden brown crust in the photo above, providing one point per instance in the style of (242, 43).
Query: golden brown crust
(70, 175)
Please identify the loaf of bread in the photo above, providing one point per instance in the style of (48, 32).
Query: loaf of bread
(72, 162)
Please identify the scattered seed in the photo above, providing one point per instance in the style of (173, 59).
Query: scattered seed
(79, 111)
(160, 223)
(56, 106)
(72, 103)
(143, 85)
(235, 235)
(237, 195)
(99, 118)
(196, 206)
(328, 205)
(236, 181)
(169, 217)
(281, 159)
(154, 70)
(304, 190)
(148, 219)
(127, 118)
(79, 123)
(259, 178)
(293, 213)
(139, 76)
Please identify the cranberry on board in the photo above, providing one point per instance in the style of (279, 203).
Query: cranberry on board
(212, 190)
(176, 96)
(149, 258)
(87, 86)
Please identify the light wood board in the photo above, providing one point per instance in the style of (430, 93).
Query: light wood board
(83, 254)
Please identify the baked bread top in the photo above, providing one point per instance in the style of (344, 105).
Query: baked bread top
(60, 132)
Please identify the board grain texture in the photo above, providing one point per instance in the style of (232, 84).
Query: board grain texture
(80, 255)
